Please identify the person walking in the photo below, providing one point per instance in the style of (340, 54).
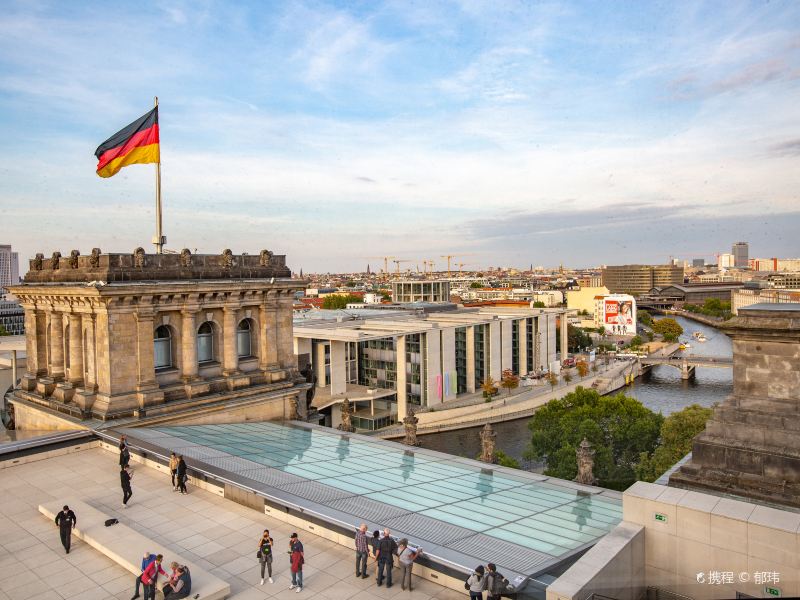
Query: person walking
(181, 473)
(125, 477)
(387, 548)
(173, 470)
(264, 555)
(362, 551)
(406, 557)
(124, 452)
(296, 559)
(147, 558)
(475, 583)
(494, 583)
(150, 577)
(66, 521)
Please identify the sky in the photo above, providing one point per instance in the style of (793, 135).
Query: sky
(506, 132)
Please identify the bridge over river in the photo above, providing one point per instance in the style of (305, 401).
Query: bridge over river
(687, 362)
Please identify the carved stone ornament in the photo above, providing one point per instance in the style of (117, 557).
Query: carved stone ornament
(410, 425)
(585, 455)
(138, 257)
(73, 259)
(227, 258)
(55, 261)
(293, 414)
(265, 257)
(38, 262)
(487, 444)
(186, 258)
(346, 424)
(94, 259)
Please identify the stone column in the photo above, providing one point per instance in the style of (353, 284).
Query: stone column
(75, 349)
(56, 346)
(34, 343)
(286, 356)
(189, 345)
(564, 336)
(230, 357)
(90, 367)
(338, 368)
(146, 372)
(522, 341)
(402, 379)
(471, 359)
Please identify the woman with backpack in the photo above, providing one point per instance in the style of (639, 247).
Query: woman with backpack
(474, 584)
(264, 555)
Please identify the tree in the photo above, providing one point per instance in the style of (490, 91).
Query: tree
(509, 380)
(3, 331)
(504, 460)
(636, 341)
(488, 387)
(538, 304)
(583, 368)
(565, 375)
(338, 301)
(669, 328)
(601, 330)
(677, 433)
(577, 338)
(552, 379)
(594, 367)
(650, 336)
(475, 285)
(619, 427)
(644, 317)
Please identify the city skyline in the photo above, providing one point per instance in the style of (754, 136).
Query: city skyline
(544, 133)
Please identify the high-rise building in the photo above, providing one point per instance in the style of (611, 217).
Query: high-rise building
(640, 279)
(698, 262)
(741, 253)
(9, 268)
(725, 261)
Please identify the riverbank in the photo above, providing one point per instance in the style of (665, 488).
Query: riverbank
(705, 320)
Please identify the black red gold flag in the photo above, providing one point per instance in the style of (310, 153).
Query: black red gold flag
(135, 144)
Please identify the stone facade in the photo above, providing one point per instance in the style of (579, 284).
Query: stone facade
(751, 445)
(114, 335)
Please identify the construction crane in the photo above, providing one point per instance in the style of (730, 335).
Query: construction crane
(397, 264)
(459, 265)
(431, 264)
(385, 260)
(448, 257)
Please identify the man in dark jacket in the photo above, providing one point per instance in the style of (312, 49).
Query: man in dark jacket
(66, 521)
(387, 548)
(181, 472)
(494, 582)
(125, 482)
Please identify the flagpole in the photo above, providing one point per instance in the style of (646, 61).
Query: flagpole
(159, 239)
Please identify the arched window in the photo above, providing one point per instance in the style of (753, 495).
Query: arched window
(244, 346)
(163, 347)
(205, 343)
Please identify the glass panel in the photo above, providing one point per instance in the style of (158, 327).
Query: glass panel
(162, 353)
(243, 343)
(205, 347)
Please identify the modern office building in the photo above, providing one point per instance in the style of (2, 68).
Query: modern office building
(384, 361)
(741, 252)
(725, 261)
(698, 263)
(12, 318)
(425, 290)
(9, 268)
(748, 296)
(639, 279)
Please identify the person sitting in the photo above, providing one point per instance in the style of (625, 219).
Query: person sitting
(173, 578)
(182, 587)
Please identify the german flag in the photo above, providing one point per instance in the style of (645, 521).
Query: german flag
(135, 144)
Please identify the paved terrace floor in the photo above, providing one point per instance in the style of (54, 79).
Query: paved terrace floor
(217, 534)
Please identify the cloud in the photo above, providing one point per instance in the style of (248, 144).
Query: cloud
(787, 148)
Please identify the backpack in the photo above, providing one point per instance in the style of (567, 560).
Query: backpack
(466, 583)
(110, 522)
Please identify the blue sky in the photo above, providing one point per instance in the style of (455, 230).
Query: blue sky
(510, 132)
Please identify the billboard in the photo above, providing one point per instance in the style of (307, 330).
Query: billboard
(619, 316)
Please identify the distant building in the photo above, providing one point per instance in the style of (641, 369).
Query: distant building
(775, 264)
(12, 318)
(617, 313)
(9, 268)
(424, 290)
(749, 296)
(639, 279)
(590, 281)
(725, 261)
(785, 280)
(740, 252)
(698, 262)
(696, 293)
(584, 299)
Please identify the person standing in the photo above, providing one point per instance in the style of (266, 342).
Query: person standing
(124, 452)
(406, 557)
(475, 583)
(494, 583)
(296, 559)
(147, 558)
(387, 548)
(125, 477)
(362, 551)
(173, 470)
(150, 577)
(264, 555)
(66, 521)
(181, 473)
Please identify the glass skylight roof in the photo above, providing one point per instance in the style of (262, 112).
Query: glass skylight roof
(458, 507)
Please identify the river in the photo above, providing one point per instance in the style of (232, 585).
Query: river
(661, 390)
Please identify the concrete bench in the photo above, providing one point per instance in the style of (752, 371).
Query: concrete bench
(125, 546)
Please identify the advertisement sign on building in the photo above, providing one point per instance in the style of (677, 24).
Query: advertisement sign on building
(619, 314)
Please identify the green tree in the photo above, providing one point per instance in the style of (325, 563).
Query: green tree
(338, 301)
(650, 336)
(601, 330)
(3, 331)
(504, 460)
(619, 427)
(566, 376)
(669, 328)
(636, 341)
(538, 304)
(489, 388)
(583, 368)
(644, 317)
(577, 338)
(475, 285)
(552, 379)
(677, 432)
(509, 380)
